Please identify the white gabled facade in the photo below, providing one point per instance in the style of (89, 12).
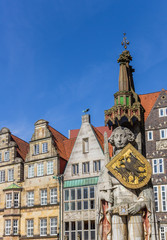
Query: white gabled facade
(80, 179)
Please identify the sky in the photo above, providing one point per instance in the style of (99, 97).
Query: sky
(59, 57)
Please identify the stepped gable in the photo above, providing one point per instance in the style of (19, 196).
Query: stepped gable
(22, 146)
(148, 100)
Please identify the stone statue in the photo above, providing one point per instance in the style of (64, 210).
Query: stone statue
(129, 212)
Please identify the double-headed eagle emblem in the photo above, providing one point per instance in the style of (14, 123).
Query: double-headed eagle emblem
(130, 168)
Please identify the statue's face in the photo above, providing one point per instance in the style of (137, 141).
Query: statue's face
(120, 139)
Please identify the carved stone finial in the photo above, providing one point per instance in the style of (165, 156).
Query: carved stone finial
(125, 42)
(124, 57)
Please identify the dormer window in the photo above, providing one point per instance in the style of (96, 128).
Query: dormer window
(6, 156)
(44, 147)
(85, 143)
(36, 149)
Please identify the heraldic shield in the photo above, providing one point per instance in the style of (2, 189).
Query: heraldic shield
(130, 167)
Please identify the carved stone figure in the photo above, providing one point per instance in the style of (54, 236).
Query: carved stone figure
(129, 212)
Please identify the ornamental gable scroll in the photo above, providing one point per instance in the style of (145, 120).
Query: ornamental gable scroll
(130, 167)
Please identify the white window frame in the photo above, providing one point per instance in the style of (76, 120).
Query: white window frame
(75, 169)
(16, 200)
(31, 171)
(53, 226)
(162, 233)
(49, 167)
(10, 175)
(30, 228)
(86, 167)
(2, 176)
(8, 200)
(150, 135)
(165, 133)
(43, 227)
(156, 197)
(163, 198)
(8, 227)
(30, 199)
(53, 196)
(44, 147)
(43, 196)
(36, 149)
(157, 164)
(15, 226)
(6, 156)
(40, 169)
(85, 145)
(164, 112)
(97, 165)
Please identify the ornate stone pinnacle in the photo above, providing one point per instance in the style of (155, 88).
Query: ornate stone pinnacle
(125, 42)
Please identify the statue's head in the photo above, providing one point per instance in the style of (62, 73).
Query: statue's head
(120, 137)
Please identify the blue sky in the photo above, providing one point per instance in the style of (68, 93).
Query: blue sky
(59, 57)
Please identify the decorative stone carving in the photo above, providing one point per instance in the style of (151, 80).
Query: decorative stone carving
(128, 213)
(161, 145)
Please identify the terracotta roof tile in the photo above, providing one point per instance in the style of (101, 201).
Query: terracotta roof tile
(69, 144)
(148, 100)
(59, 141)
(22, 146)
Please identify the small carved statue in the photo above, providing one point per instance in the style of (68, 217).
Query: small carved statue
(130, 212)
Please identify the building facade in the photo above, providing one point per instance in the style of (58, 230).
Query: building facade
(156, 152)
(80, 180)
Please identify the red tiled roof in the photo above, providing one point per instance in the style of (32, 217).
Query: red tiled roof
(68, 144)
(148, 100)
(59, 141)
(22, 146)
(102, 129)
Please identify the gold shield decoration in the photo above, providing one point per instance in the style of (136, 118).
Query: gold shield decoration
(130, 167)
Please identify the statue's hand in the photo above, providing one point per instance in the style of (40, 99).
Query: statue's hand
(136, 207)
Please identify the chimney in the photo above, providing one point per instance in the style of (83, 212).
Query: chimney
(86, 118)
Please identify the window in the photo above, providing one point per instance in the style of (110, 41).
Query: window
(163, 198)
(162, 233)
(6, 156)
(30, 199)
(85, 143)
(158, 165)
(7, 227)
(43, 227)
(92, 230)
(162, 112)
(72, 199)
(53, 196)
(40, 169)
(11, 174)
(31, 171)
(44, 197)
(163, 133)
(50, 167)
(85, 167)
(30, 228)
(156, 198)
(15, 226)
(75, 169)
(8, 200)
(16, 200)
(150, 135)
(44, 147)
(2, 176)
(36, 149)
(79, 198)
(0, 157)
(97, 166)
(53, 226)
